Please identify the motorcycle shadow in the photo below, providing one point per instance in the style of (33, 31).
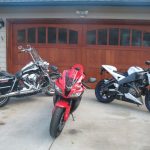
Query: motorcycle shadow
(23, 100)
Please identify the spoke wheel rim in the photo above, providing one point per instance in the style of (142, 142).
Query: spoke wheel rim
(104, 95)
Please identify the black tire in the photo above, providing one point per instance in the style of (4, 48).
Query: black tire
(4, 101)
(147, 100)
(102, 96)
(57, 122)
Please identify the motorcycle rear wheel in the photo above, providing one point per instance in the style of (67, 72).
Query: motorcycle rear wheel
(57, 122)
(3, 101)
(147, 100)
(102, 96)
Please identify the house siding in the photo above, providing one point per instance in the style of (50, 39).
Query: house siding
(3, 49)
(141, 13)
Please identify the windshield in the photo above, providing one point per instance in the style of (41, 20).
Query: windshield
(35, 56)
(72, 76)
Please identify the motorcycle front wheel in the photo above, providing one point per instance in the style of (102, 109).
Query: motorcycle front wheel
(57, 122)
(102, 96)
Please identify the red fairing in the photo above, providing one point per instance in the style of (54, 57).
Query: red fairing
(72, 79)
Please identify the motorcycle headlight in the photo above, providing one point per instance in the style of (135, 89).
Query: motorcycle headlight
(76, 94)
(58, 89)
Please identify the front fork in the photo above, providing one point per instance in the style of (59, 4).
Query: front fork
(66, 106)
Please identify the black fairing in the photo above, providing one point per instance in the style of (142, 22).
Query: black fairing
(6, 81)
(133, 77)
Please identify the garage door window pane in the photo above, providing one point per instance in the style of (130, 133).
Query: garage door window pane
(21, 36)
(113, 36)
(91, 37)
(136, 38)
(51, 35)
(62, 36)
(125, 37)
(42, 35)
(146, 39)
(102, 37)
(31, 35)
(73, 37)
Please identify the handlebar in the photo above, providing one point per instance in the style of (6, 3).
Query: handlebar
(22, 49)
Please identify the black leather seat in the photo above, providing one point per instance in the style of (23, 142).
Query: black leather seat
(6, 74)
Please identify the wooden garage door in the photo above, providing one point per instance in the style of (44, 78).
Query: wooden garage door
(118, 45)
(91, 44)
(57, 44)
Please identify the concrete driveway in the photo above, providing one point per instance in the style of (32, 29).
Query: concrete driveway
(24, 125)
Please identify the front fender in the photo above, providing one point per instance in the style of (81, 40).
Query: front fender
(66, 106)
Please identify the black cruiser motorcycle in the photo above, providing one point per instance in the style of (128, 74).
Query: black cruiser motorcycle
(33, 78)
(129, 86)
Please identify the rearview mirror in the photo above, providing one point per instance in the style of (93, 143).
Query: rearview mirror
(54, 68)
(92, 80)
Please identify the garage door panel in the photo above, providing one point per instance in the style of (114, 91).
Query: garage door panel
(58, 44)
(95, 57)
(118, 45)
(64, 56)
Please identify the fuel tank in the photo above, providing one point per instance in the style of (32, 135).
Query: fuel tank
(134, 69)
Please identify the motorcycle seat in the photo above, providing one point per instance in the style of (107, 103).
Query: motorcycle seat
(147, 62)
(4, 74)
(124, 73)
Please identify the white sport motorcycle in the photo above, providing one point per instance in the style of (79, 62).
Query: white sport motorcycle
(129, 86)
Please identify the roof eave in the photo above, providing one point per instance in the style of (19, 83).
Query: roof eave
(76, 3)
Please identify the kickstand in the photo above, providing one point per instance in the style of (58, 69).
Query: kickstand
(73, 117)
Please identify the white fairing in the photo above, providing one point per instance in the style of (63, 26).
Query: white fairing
(148, 75)
(134, 69)
(113, 71)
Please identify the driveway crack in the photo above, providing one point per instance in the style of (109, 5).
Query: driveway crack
(51, 144)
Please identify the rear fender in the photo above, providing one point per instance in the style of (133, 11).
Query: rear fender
(66, 106)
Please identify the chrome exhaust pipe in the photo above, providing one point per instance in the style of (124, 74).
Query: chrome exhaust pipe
(18, 93)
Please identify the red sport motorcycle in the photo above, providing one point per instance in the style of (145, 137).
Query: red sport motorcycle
(68, 93)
